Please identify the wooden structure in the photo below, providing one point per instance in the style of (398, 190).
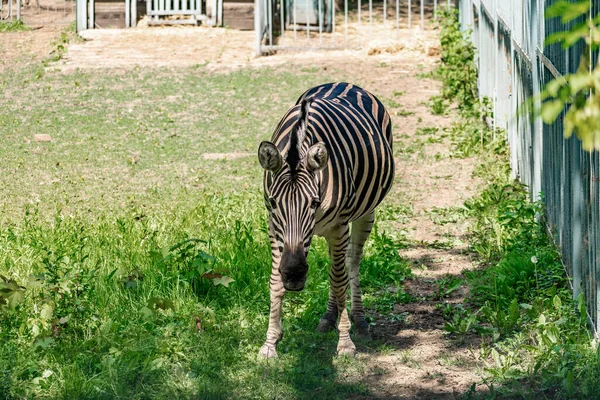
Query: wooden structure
(92, 14)
(235, 14)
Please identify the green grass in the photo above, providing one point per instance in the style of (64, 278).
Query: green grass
(134, 262)
(12, 26)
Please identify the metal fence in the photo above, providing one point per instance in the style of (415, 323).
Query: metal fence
(38, 12)
(337, 24)
(514, 64)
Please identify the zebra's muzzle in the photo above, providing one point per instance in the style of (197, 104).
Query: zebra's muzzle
(293, 270)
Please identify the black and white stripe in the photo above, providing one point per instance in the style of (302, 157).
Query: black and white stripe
(328, 165)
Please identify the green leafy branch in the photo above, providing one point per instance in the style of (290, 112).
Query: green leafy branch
(579, 91)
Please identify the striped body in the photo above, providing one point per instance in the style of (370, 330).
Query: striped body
(328, 165)
(357, 132)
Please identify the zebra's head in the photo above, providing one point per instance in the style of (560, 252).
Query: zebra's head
(292, 198)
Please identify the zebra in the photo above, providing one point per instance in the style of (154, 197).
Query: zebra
(328, 165)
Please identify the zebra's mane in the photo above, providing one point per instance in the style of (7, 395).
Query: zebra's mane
(297, 137)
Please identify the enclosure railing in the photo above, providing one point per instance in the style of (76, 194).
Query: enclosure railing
(336, 24)
(38, 12)
(514, 65)
(195, 10)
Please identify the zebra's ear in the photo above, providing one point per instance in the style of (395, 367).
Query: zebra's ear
(269, 157)
(317, 157)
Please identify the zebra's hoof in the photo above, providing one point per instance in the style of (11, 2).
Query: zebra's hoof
(346, 348)
(325, 325)
(361, 331)
(267, 352)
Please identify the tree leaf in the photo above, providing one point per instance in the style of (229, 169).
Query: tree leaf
(556, 301)
(160, 302)
(45, 342)
(566, 10)
(555, 37)
(550, 110)
(47, 311)
(569, 123)
(35, 281)
(224, 280)
(579, 81)
(554, 86)
(573, 35)
(146, 312)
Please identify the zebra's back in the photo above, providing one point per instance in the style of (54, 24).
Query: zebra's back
(356, 129)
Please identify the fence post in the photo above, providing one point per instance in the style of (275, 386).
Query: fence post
(257, 27)
(133, 13)
(81, 15)
(577, 205)
(92, 14)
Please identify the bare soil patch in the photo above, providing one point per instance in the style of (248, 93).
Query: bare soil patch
(218, 49)
(20, 49)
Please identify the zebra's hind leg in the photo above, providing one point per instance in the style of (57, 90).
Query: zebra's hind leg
(338, 240)
(361, 229)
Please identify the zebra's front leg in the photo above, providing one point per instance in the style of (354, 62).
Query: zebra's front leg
(338, 277)
(274, 331)
(329, 319)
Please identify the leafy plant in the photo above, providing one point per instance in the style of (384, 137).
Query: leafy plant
(503, 215)
(423, 131)
(438, 105)
(191, 261)
(13, 26)
(11, 293)
(382, 265)
(580, 91)
(458, 69)
(460, 322)
(448, 285)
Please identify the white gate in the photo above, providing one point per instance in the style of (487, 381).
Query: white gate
(195, 10)
(336, 24)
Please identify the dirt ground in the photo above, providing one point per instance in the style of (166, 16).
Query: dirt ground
(422, 362)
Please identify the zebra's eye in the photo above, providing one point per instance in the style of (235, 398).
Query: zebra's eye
(273, 203)
(315, 203)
